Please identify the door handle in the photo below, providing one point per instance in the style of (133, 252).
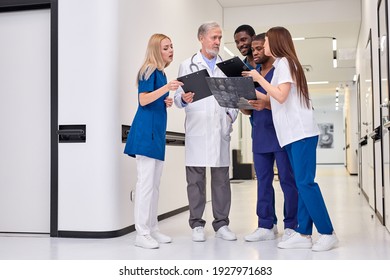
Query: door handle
(376, 134)
(125, 132)
(363, 141)
(387, 125)
(384, 105)
(372, 134)
(72, 133)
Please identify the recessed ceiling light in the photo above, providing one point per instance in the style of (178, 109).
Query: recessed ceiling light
(318, 83)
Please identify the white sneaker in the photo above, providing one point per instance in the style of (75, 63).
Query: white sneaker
(296, 241)
(325, 242)
(260, 234)
(225, 233)
(287, 233)
(160, 237)
(146, 241)
(198, 234)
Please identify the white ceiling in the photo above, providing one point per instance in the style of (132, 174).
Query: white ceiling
(306, 18)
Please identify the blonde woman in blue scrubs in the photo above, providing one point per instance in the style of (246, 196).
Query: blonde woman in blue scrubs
(297, 133)
(146, 139)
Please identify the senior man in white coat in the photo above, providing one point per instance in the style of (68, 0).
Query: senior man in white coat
(207, 140)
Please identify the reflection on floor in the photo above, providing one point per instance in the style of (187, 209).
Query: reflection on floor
(361, 235)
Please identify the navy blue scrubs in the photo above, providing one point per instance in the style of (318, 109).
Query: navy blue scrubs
(266, 150)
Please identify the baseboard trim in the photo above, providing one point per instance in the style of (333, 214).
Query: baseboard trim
(95, 234)
(114, 233)
(173, 213)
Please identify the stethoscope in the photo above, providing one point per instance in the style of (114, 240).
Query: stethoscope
(192, 64)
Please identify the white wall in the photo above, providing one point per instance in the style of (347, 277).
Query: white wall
(88, 94)
(363, 69)
(351, 130)
(370, 100)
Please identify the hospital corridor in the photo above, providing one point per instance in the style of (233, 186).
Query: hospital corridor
(69, 99)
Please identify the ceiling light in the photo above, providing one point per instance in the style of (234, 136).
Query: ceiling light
(334, 44)
(318, 83)
(334, 47)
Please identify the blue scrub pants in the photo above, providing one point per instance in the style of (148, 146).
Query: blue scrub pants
(264, 166)
(311, 205)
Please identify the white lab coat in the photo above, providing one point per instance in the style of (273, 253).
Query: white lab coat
(207, 125)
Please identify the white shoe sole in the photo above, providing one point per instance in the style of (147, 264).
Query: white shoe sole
(198, 240)
(295, 246)
(321, 249)
(146, 247)
(248, 239)
(225, 238)
(163, 240)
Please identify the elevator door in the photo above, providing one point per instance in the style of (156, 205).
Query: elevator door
(25, 121)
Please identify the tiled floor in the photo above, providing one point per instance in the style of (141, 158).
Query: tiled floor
(361, 235)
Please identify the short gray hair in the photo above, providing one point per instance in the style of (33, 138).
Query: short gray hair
(206, 27)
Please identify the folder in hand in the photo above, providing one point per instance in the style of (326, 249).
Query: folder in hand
(196, 83)
(233, 67)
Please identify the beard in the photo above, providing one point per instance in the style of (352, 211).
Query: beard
(262, 60)
(213, 52)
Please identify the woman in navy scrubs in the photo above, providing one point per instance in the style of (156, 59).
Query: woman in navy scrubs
(146, 139)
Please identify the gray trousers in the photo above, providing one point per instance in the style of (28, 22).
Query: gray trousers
(220, 195)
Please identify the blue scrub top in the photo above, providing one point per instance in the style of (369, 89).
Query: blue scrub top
(263, 130)
(148, 130)
(258, 66)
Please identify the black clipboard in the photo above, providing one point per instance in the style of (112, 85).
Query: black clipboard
(196, 83)
(233, 92)
(233, 67)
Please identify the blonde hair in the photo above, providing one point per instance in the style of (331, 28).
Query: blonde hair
(153, 59)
